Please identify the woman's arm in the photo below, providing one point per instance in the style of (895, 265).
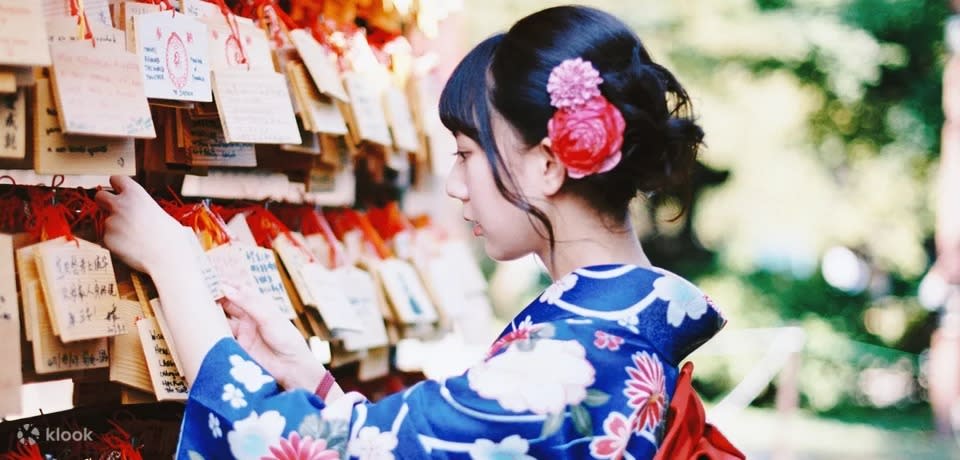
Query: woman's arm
(149, 240)
(195, 321)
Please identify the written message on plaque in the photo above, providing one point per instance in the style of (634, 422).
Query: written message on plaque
(22, 38)
(168, 382)
(99, 91)
(255, 107)
(173, 49)
(80, 285)
(59, 153)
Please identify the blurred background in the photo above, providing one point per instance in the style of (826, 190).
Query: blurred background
(814, 219)
(825, 219)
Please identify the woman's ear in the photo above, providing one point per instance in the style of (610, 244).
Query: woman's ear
(553, 171)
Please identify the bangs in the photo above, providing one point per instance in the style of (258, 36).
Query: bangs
(464, 104)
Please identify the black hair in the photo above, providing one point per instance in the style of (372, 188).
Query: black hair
(509, 72)
(465, 109)
(464, 106)
(661, 140)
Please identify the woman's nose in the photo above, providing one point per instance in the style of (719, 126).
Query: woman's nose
(456, 186)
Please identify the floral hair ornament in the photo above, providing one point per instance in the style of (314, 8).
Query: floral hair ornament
(586, 131)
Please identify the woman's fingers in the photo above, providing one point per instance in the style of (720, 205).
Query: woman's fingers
(116, 182)
(107, 200)
(248, 301)
(231, 309)
(127, 188)
(121, 184)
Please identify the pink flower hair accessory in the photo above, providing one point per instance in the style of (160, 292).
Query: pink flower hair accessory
(573, 83)
(586, 131)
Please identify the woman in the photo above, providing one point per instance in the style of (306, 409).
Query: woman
(559, 124)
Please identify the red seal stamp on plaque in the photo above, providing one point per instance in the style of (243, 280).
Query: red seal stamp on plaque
(178, 62)
(233, 50)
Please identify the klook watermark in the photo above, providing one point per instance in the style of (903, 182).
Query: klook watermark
(32, 434)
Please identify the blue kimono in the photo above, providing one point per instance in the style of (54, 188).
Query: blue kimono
(585, 371)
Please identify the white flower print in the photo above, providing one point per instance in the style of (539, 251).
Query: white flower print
(553, 293)
(683, 299)
(527, 323)
(311, 426)
(631, 322)
(543, 379)
(371, 444)
(215, 426)
(248, 373)
(252, 437)
(510, 448)
(233, 395)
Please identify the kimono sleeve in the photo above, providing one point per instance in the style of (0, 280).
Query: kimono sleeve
(548, 390)
(555, 390)
(236, 410)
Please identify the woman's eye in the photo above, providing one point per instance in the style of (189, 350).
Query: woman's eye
(460, 154)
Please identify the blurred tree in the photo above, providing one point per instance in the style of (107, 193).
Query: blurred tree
(873, 71)
(822, 120)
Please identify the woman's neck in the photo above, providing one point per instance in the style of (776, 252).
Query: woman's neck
(590, 242)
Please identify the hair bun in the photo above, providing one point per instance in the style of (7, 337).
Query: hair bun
(663, 139)
(683, 140)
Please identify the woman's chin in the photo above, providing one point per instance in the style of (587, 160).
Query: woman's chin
(500, 253)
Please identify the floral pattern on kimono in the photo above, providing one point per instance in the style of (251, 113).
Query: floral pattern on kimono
(586, 370)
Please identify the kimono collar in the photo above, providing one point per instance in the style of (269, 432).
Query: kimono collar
(655, 305)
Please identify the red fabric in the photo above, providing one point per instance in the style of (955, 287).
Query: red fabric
(689, 436)
(266, 228)
(371, 236)
(83, 208)
(47, 220)
(202, 219)
(388, 220)
(26, 451)
(345, 220)
(12, 214)
(118, 441)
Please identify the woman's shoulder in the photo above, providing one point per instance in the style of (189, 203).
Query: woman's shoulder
(647, 304)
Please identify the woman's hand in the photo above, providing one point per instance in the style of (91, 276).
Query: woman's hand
(147, 239)
(138, 230)
(270, 338)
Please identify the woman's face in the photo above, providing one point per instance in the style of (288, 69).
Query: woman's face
(508, 231)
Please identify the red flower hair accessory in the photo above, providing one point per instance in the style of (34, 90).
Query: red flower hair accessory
(586, 131)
